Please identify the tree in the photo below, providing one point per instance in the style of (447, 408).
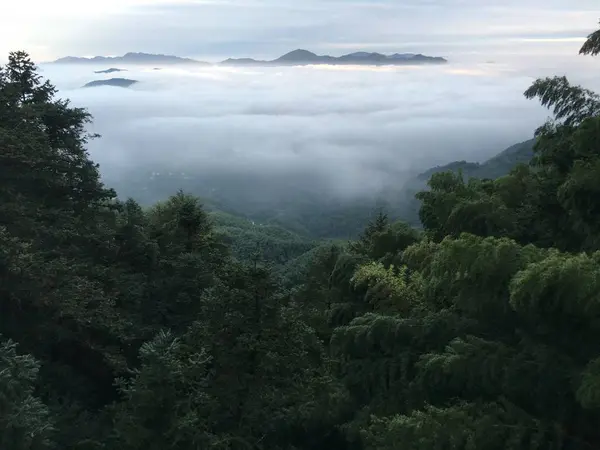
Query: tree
(592, 45)
(55, 216)
(166, 404)
(452, 206)
(188, 255)
(24, 420)
(268, 365)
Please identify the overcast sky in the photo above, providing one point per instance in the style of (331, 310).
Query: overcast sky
(216, 29)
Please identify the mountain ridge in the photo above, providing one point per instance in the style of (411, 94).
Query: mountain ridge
(295, 57)
(129, 58)
(305, 57)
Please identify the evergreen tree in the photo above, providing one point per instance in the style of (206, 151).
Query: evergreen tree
(25, 422)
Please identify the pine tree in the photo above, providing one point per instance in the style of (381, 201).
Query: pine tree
(592, 45)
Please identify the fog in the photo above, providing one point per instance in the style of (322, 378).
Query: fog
(348, 130)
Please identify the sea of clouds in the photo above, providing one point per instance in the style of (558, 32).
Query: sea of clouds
(353, 128)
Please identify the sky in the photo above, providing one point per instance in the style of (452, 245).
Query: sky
(216, 29)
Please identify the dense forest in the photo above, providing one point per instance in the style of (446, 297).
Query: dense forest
(172, 328)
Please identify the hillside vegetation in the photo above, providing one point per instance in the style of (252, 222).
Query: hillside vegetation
(135, 328)
(495, 167)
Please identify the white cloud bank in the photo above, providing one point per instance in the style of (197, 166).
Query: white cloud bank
(353, 128)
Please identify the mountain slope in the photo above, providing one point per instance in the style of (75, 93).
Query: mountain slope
(495, 167)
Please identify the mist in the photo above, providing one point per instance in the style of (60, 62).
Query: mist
(342, 131)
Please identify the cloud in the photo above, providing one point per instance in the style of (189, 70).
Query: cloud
(343, 129)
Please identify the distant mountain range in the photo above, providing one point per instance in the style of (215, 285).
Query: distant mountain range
(129, 58)
(304, 57)
(294, 58)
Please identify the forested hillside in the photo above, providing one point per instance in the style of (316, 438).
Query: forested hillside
(135, 328)
(495, 167)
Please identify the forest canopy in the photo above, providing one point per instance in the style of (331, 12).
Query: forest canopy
(172, 327)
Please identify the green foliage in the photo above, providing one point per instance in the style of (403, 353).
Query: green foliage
(559, 292)
(453, 206)
(384, 240)
(588, 392)
(388, 289)
(166, 403)
(24, 420)
(466, 426)
(571, 104)
(250, 241)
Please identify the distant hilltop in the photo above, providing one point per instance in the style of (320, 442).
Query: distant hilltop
(117, 82)
(294, 58)
(111, 70)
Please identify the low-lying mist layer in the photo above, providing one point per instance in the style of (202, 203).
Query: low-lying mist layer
(279, 132)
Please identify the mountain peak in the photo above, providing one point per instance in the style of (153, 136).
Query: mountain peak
(298, 55)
